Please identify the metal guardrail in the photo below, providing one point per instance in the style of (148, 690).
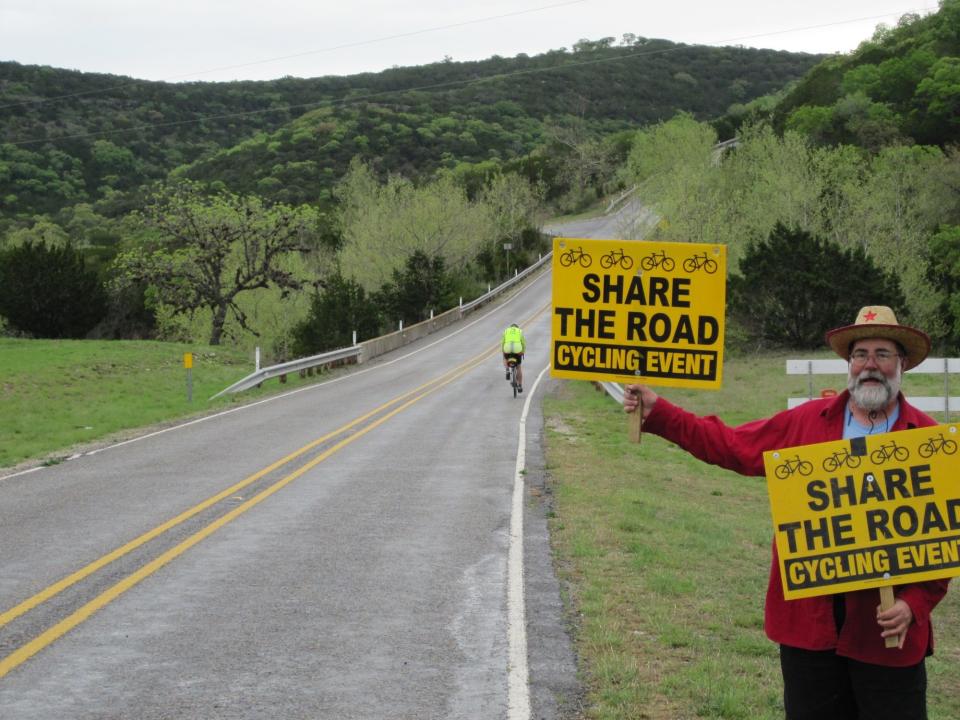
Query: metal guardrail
(255, 378)
(355, 352)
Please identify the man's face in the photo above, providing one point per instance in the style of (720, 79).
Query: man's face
(875, 373)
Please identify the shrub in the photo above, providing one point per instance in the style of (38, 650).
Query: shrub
(49, 292)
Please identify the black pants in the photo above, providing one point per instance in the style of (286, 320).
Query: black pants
(820, 685)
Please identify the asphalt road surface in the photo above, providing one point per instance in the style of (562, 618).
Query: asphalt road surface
(373, 546)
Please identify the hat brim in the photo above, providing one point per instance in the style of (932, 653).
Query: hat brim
(914, 342)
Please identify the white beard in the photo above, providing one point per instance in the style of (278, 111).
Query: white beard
(873, 398)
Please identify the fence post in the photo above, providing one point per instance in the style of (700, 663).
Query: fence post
(946, 389)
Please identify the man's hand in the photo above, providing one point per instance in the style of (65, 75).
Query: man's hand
(896, 620)
(633, 394)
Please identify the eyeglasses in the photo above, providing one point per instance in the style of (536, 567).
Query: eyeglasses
(881, 357)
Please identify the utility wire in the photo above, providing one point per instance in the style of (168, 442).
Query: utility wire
(334, 48)
(437, 86)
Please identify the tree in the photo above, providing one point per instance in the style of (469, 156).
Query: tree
(793, 285)
(49, 292)
(421, 286)
(382, 225)
(340, 308)
(211, 249)
(944, 273)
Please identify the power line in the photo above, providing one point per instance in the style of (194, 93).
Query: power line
(333, 48)
(437, 86)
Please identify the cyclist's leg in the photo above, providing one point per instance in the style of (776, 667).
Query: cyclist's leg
(519, 370)
(506, 365)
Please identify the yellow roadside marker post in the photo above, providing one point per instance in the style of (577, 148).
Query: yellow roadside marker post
(188, 365)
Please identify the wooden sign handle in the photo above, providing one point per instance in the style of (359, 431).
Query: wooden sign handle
(886, 602)
(636, 420)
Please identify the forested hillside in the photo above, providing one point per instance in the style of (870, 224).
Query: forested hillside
(843, 193)
(69, 137)
(295, 212)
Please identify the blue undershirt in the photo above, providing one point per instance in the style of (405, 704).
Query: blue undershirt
(884, 423)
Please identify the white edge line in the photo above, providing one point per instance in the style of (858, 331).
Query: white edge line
(518, 681)
(282, 395)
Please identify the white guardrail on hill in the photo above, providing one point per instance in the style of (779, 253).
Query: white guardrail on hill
(369, 349)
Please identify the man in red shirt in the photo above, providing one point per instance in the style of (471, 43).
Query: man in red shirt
(832, 647)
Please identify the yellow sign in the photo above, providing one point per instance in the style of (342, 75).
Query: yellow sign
(188, 360)
(639, 311)
(866, 512)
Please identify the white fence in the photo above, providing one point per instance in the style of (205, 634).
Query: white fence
(937, 366)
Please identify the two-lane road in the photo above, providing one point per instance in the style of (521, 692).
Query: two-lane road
(363, 548)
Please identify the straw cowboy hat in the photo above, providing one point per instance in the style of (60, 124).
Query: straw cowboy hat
(878, 321)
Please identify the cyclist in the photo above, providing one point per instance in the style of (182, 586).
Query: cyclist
(513, 345)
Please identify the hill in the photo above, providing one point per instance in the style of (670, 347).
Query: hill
(70, 137)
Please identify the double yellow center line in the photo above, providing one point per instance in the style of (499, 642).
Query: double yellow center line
(365, 423)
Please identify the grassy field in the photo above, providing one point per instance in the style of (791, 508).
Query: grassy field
(59, 394)
(665, 559)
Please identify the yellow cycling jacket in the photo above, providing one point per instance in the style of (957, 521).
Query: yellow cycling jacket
(513, 341)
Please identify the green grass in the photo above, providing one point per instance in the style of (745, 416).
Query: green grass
(664, 559)
(59, 394)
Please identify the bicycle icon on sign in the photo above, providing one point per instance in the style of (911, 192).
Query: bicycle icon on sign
(840, 458)
(657, 259)
(616, 257)
(936, 444)
(889, 451)
(793, 465)
(700, 260)
(574, 255)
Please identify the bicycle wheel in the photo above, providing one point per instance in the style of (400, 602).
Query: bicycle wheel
(585, 260)
(901, 454)
(626, 262)
(513, 379)
(668, 264)
(710, 266)
(606, 261)
(566, 259)
(949, 447)
(926, 450)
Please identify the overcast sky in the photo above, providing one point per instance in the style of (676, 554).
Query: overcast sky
(184, 40)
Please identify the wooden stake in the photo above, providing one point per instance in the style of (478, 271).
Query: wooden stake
(636, 420)
(886, 602)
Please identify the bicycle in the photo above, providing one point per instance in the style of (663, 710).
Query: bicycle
(657, 259)
(889, 451)
(936, 444)
(512, 370)
(792, 465)
(573, 255)
(616, 257)
(841, 457)
(700, 260)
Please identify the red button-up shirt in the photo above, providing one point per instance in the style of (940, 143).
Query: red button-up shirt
(808, 622)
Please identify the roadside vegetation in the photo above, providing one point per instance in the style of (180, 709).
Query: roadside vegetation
(664, 559)
(57, 396)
